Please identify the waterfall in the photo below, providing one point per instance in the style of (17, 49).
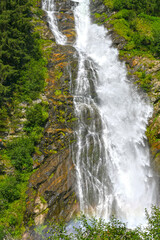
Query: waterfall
(111, 155)
(49, 7)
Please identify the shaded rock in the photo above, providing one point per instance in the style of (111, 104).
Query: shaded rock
(97, 6)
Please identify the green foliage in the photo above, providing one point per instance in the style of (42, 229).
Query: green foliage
(140, 6)
(109, 3)
(32, 79)
(20, 151)
(97, 229)
(144, 80)
(126, 14)
(22, 78)
(12, 212)
(3, 119)
(22, 67)
(2, 232)
(141, 31)
(9, 191)
(138, 21)
(153, 228)
(121, 26)
(36, 116)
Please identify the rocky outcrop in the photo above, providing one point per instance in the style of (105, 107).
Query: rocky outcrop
(97, 6)
(51, 193)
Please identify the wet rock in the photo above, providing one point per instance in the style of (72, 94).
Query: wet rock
(65, 17)
(118, 41)
(97, 6)
(51, 192)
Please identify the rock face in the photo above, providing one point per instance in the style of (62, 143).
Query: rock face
(65, 18)
(97, 6)
(51, 193)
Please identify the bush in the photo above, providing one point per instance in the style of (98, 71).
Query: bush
(93, 229)
(126, 14)
(32, 78)
(9, 191)
(140, 6)
(36, 117)
(2, 232)
(153, 228)
(20, 151)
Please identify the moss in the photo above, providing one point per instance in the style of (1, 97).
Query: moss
(51, 175)
(39, 229)
(57, 92)
(101, 18)
(108, 3)
(37, 151)
(58, 73)
(62, 133)
(121, 27)
(144, 80)
(73, 119)
(43, 200)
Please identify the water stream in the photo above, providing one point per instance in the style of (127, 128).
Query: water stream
(111, 156)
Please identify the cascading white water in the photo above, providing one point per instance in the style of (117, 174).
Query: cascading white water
(115, 176)
(111, 155)
(48, 6)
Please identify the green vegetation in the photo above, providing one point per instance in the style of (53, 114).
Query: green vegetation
(36, 118)
(22, 67)
(19, 151)
(141, 31)
(22, 79)
(151, 7)
(93, 229)
(138, 22)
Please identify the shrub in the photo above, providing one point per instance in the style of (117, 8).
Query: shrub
(20, 151)
(8, 190)
(36, 116)
(93, 229)
(32, 79)
(2, 232)
(141, 6)
(153, 228)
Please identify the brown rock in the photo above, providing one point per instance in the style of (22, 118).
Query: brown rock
(51, 193)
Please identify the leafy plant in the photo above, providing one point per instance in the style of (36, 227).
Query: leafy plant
(20, 151)
(98, 229)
